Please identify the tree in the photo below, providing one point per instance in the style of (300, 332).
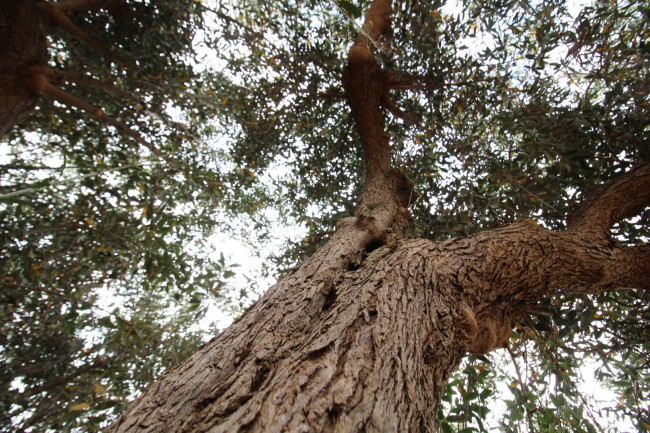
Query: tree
(365, 334)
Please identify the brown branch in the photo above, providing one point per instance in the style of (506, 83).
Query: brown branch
(388, 103)
(58, 15)
(523, 262)
(630, 268)
(377, 21)
(28, 167)
(96, 364)
(43, 86)
(625, 197)
(85, 80)
(408, 85)
(386, 190)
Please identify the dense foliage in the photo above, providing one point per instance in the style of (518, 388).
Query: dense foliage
(515, 109)
(105, 265)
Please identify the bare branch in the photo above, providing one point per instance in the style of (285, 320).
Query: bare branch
(625, 197)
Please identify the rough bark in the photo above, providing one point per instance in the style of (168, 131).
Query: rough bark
(370, 348)
(363, 335)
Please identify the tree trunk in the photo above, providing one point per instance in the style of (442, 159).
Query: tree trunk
(369, 347)
(364, 335)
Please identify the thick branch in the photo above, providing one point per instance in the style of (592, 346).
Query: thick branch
(365, 87)
(386, 190)
(629, 268)
(547, 260)
(627, 196)
(501, 274)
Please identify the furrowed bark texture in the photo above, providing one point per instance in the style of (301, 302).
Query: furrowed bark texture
(370, 349)
(363, 336)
